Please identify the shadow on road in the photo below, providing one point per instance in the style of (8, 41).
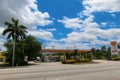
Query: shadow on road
(4, 66)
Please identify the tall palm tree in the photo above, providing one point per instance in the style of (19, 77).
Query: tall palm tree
(15, 31)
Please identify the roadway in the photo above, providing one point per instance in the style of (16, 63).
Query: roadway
(105, 70)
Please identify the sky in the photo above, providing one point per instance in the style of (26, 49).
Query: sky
(65, 24)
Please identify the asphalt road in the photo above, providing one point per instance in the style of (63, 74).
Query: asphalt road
(105, 70)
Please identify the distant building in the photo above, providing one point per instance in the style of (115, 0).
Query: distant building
(2, 58)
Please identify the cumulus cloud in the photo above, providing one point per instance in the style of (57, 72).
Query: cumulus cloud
(42, 34)
(88, 30)
(91, 30)
(52, 29)
(25, 10)
(104, 23)
(101, 5)
(2, 39)
(58, 45)
(1, 45)
(28, 14)
(71, 22)
(1, 30)
(78, 37)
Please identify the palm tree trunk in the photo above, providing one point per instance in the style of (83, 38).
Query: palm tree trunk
(13, 58)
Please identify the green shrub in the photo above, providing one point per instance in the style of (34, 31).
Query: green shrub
(69, 61)
(116, 58)
(84, 60)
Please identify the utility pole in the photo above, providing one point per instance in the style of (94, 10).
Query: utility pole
(74, 47)
(53, 47)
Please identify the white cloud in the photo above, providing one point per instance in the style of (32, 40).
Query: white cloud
(28, 14)
(109, 33)
(1, 31)
(90, 33)
(91, 37)
(52, 29)
(78, 37)
(57, 45)
(90, 29)
(42, 34)
(25, 10)
(2, 48)
(104, 23)
(2, 40)
(101, 5)
(113, 15)
(71, 22)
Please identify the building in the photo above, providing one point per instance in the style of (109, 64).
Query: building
(56, 54)
(64, 51)
(2, 58)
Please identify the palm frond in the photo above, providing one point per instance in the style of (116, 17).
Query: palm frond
(7, 31)
(15, 30)
(13, 20)
(9, 35)
(9, 25)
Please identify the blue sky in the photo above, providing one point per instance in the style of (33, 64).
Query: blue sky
(57, 10)
(70, 24)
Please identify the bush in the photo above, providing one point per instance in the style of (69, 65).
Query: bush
(69, 61)
(84, 60)
(116, 58)
(81, 60)
(18, 63)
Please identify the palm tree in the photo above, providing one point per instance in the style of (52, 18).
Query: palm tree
(15, 31)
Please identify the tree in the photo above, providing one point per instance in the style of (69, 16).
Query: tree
(28, 47)
(93, 53)
(32, 47)
(108, 54)
(19, 57)
(98, 54)
(15, 31)
(103, 51)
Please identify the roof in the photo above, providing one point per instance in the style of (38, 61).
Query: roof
(63, 51)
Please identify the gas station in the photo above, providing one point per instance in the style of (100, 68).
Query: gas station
(58, 54)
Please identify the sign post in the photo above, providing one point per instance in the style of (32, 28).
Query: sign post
(114, 48)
